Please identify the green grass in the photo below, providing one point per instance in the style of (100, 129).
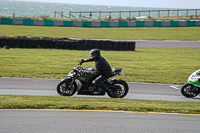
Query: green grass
(156, 65)
(57, 102)
(139, 33)
(159, 65)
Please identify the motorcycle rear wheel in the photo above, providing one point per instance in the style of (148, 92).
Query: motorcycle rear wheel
(64, 90)
(189, 90)
(119, 90)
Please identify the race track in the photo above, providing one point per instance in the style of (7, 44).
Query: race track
(52, 121)
(47, 87)
(149, 91)
(167, 44)
(65, 121)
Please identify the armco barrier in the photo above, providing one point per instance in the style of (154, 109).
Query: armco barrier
(38, 22)
(140, 23)
(70, 23)
(96, 24)
(105, 23)
(66, 43)
(166, 23)
(157, 23)
(131, 23)
(27, 22)
(123, 24)
(148, 24)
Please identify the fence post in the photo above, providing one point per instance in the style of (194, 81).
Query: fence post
(187, 13)
(196, 14)
(55, 15)
(99, 15)
(80, 15)
(149, 13)
(177, 12)
(61, 14)
(168, 13)
(110, 16)
(90, 15)
(129, 15)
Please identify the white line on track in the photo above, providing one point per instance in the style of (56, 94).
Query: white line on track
(177, 87)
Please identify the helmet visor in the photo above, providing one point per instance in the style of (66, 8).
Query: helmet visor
(92, 56)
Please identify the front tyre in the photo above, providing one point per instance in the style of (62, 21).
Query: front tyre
(119, 90)
(189, 90)
(64, 89)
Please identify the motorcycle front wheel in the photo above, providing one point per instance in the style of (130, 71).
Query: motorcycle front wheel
(189, 90)
(64, 89)
(119, 90)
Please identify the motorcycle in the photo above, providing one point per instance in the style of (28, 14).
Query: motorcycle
(81, 83)
(192, 87)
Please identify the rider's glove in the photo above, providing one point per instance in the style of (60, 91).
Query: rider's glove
(81, 62)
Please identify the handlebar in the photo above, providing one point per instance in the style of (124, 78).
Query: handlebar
(78, 69)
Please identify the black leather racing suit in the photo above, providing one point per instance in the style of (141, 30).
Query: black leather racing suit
(103, 70)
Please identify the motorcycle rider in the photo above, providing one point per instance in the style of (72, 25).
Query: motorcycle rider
(103, 70)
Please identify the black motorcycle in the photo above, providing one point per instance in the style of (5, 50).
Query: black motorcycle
(81, 83)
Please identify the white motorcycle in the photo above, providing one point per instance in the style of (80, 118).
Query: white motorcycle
(192, 87)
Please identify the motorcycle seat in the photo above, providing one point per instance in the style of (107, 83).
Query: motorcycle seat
(115, 71)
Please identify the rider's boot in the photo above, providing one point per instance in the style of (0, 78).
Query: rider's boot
(103, 86)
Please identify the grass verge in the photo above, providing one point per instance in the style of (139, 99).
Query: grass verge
(78, 103)
(128, 33)
(155, 65)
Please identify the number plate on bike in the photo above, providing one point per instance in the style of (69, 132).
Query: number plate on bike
(123, 74)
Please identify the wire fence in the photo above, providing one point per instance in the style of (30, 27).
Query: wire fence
(127, 14)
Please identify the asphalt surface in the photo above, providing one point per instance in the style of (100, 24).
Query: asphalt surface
(34, 121)
(38, 121)
(47, 87)
(167, 44)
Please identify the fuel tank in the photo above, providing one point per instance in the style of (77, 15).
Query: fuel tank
(87, 78)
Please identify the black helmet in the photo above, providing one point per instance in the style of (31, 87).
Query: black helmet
(95, 54)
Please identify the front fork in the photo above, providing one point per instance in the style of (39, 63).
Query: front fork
(72, 81)
(197, 89)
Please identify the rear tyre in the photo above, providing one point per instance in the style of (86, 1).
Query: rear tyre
(63, 88)
(119, 90)
(189, 90)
